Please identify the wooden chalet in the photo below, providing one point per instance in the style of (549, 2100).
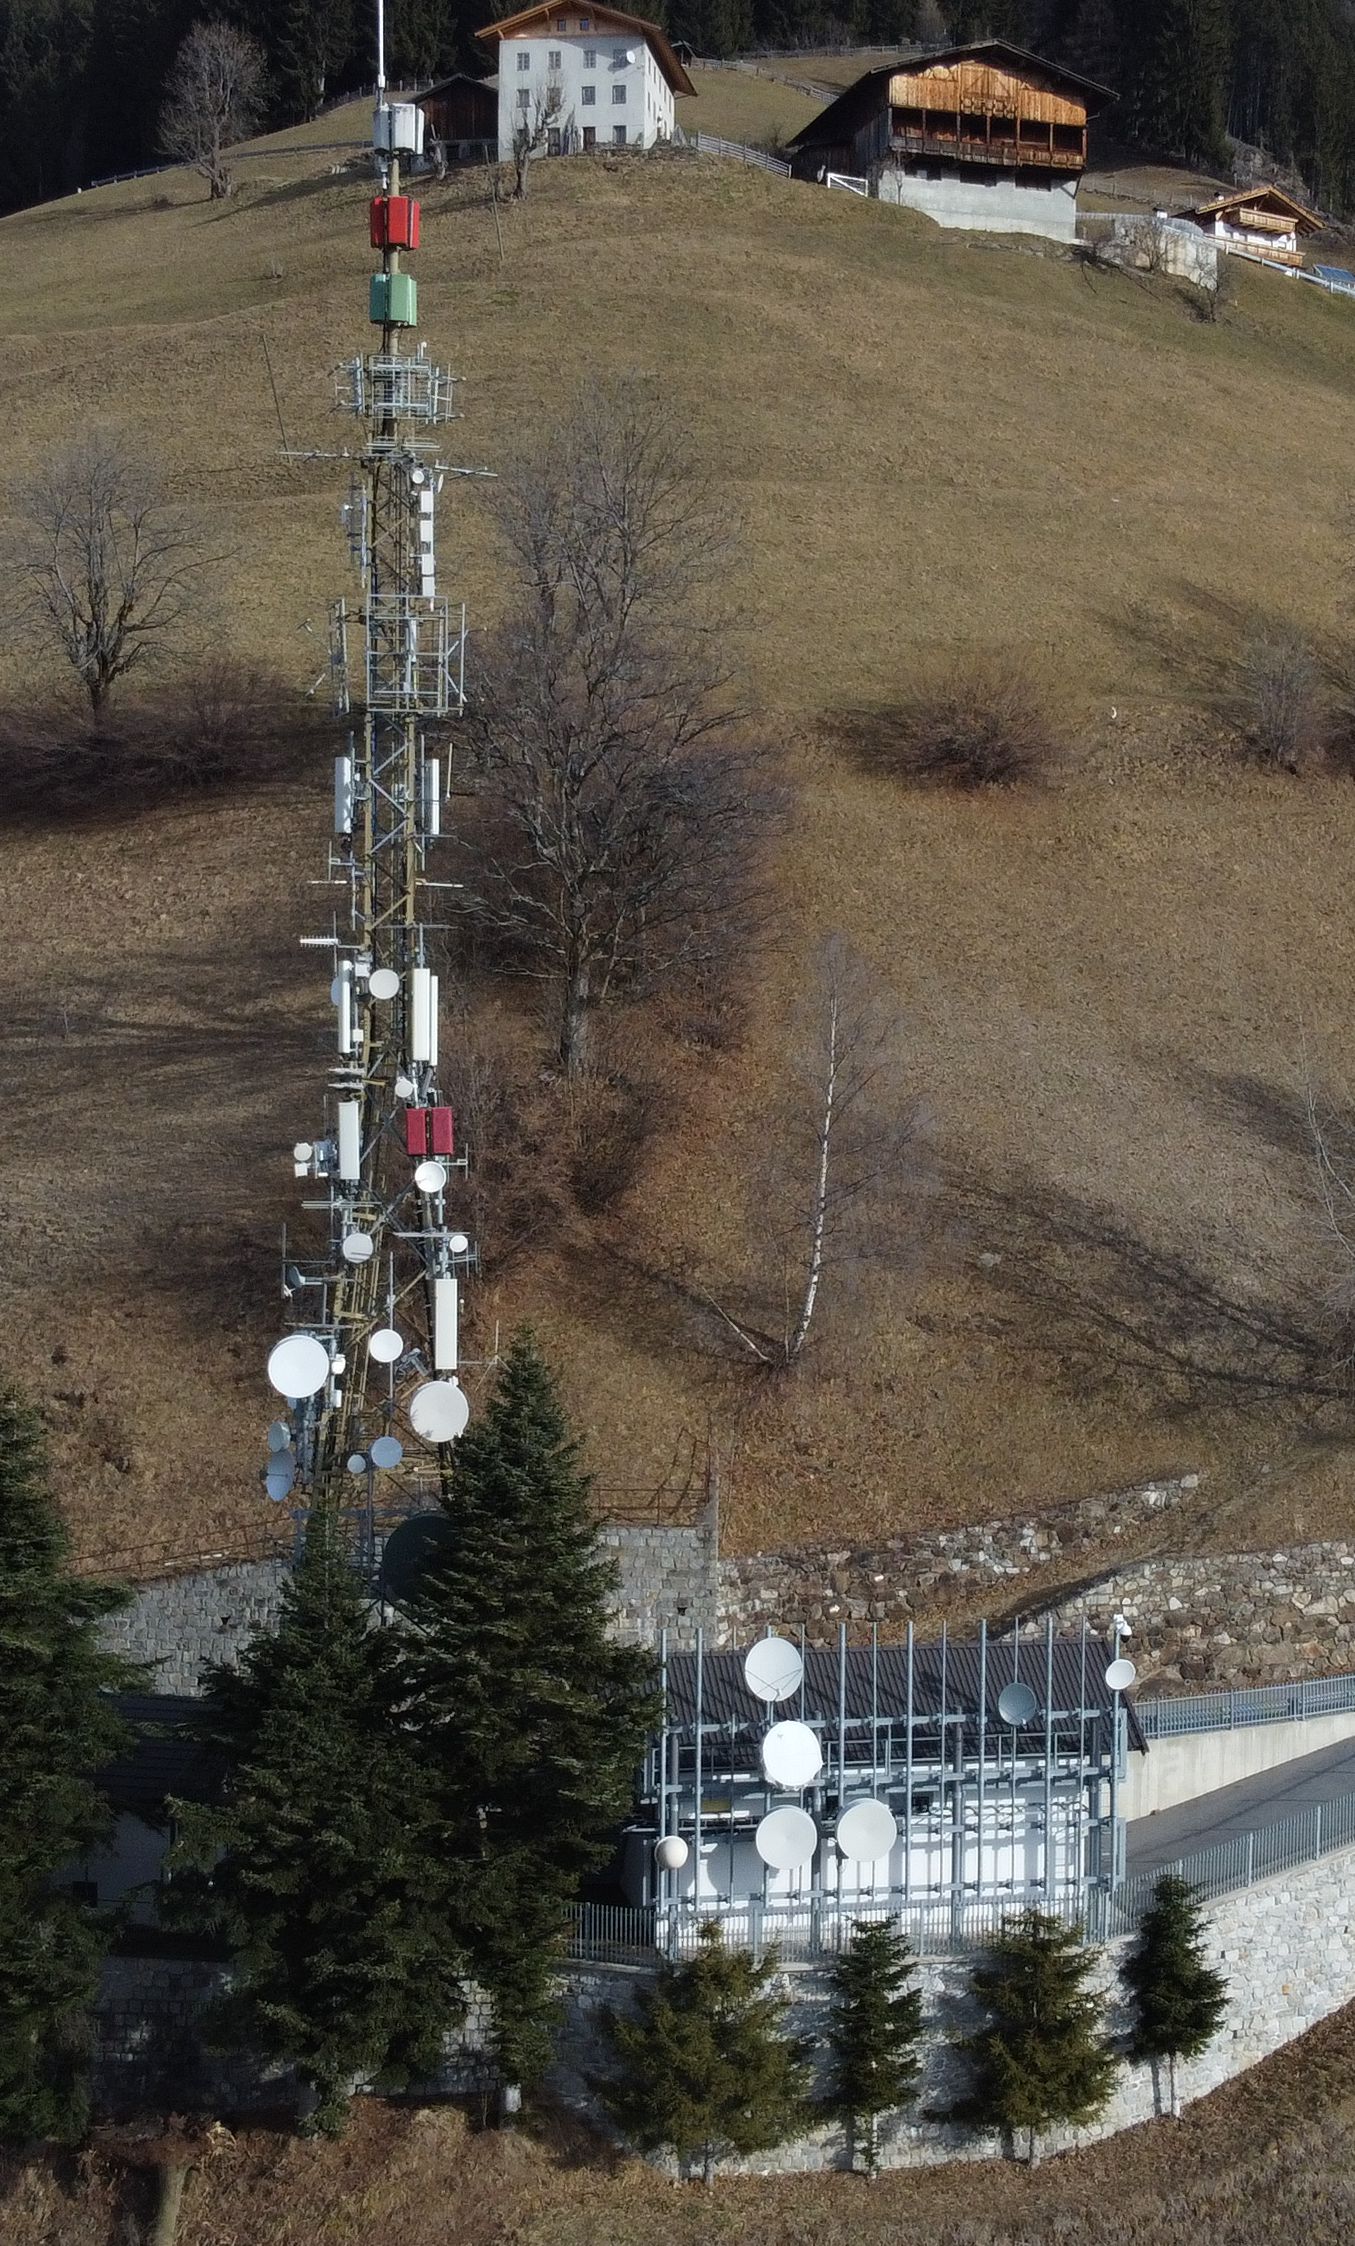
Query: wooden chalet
(1260, 221)
(462, 116)
(985, 136)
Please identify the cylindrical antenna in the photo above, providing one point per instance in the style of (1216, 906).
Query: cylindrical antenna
(380, 48)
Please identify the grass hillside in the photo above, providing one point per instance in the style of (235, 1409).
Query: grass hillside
(1114, 987)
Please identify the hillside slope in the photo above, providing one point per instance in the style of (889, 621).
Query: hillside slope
(1114, 988)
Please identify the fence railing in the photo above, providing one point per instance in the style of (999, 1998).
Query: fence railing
(853, 185)
(1254, 1704)
(1318, 1830)
(710, 144)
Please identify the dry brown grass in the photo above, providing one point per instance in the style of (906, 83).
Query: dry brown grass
(940, 445)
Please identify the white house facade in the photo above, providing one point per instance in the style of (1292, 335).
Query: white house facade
(584, 78)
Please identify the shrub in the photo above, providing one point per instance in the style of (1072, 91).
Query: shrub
(980, 727)
(1281, 700)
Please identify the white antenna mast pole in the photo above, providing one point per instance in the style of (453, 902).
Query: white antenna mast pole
(380, 48)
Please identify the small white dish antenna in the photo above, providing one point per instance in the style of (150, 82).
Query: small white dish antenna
(357, 1247)
(1121, 1674)
(280, 1477)
(384, 983)
(786, 1839)
(791, 1756)
(279, 1436)
(385, 1345)
(357, 1464)
(386, 1451)
(430, 1177)
(338, 1364)
(773, 1669)
(439, 1411)
(671, 1853)
(458, 1243)
(298, 1365)
(336, 991)
(867, 1831)
(1016, 1704)
(404, 1087)
(303, 1151)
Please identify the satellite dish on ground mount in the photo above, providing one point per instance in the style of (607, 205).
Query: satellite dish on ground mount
(409, 1550)
(384, 983)
(298, 1365)
(791, 1756)
(1121, 1674)
(1016, 1704)
(867, 1831)
(439, 1411)
(386, 1451)
(671, 1853)
(385, 1345)
(786, 1839)
(772, 1669)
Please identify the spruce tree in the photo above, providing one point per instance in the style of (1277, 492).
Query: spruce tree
(319, 1864)
(1042, 2056)
(534, 1719)
(705, 2067)
(56, 1728)
(1179, 1999)
(877, 2022)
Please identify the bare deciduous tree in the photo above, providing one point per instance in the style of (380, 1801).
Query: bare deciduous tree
(105, 564)
(532, 129)
(1281, 699)
(214, 96)
(617, 843)
(843, 1159)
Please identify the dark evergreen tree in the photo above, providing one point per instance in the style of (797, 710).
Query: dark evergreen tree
(1180, 65)
(1179, 1999)
(319, 1866)
(876, 2026)
(535, 1719)
(57, 1727)
(1042, 2056)
(705, 2068)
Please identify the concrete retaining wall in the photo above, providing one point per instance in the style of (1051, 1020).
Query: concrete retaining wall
(986, 202)
(1199, 1762)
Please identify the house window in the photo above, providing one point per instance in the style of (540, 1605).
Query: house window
(553, 142)
(590, 58)
(554, 58)
(524, 97)
(618, 93)
(619, 135)
(621, 54)
(588, 95)
(524, 58)
(590, 138)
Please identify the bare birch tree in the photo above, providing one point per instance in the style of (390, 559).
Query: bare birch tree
(844, 1170)
(103, 562)
(214, 96)
(532, 128)
(616, 840)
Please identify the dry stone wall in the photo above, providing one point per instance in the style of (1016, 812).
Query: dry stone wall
(1244, 1619)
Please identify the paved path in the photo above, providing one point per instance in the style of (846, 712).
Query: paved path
(1264, 1800)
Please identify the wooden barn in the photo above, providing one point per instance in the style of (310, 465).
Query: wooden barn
(1262, 221)
(984, 136)
(462, 116)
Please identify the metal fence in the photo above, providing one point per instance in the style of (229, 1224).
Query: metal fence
(710, 144)
(1319, 1830)
(1257, 1704)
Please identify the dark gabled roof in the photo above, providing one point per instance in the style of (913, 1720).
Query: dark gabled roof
(483, 80)
(167, 1756)
(836, 121)
(879, 1681)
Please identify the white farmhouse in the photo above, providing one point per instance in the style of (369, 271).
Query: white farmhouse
(584, 78)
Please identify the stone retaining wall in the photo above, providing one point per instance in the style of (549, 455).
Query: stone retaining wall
(1242, 1619)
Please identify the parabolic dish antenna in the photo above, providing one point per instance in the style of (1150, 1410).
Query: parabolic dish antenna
(357, 1247)
(786, 1839)
(298, 1365)
(1121, 1674)
(458, 1243)
(357, 1463)
(384, 983)
(773, 1669)
(279, 1435)
(409, 1550)
(671, 1853)
(430, 1177)
(302, 1151)
(385, 1345)
(1016, 1703)
(867, 1831)
(791, 1755)
(404, 1087)
(386, 1451)
(280, 1476)
(439, 1411)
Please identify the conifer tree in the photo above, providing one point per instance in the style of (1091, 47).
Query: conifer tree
(534, 1720)
(56, 1729)
(319, 1865)
(1179, 1999)
(705, 2067)
(1042, 2056)
(877, 2022)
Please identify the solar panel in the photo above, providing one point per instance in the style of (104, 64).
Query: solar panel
(1336, 277)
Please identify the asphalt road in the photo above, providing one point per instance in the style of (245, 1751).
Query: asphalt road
(1276, 1794)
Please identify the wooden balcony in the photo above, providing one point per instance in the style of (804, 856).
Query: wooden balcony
(1005, 151)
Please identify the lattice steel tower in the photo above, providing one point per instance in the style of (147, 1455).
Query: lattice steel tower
(370, 1368)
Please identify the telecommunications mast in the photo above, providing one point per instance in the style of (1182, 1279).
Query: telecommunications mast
(370, 1368)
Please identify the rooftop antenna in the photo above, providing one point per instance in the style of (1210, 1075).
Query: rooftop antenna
(370, 1369)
